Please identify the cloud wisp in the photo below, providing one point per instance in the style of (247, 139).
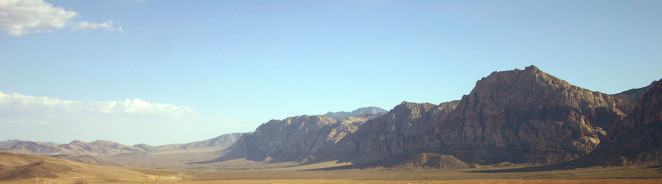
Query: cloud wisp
(18, 108)
(20, 17)
(85, 25)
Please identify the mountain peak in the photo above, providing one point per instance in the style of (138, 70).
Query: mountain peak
(530, 75)
(532, 68)
(527, 104)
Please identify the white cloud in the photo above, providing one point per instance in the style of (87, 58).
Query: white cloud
(84, 25)
(19, 17)
(53, 107)
(129, 121)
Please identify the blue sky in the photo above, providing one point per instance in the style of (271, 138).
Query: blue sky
(184, 71)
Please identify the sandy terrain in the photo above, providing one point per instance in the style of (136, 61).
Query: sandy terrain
(20, 168)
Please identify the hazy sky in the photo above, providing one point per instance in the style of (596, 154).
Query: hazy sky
(163, 71)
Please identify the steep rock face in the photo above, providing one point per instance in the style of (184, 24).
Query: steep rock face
(638, 138)
(400, 131)
(527, 116)
(291, 139)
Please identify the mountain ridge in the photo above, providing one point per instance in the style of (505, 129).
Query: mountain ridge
(519, 116)
(366, 112)
(516, 116)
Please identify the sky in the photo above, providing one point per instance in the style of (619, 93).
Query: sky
(163, 72)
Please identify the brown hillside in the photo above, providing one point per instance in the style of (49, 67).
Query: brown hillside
(21, 168)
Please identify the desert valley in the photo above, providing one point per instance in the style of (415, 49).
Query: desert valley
(516, 126)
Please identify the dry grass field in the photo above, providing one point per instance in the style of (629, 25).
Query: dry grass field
(630, 174)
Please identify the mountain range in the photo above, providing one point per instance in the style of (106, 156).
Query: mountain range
(516, 116)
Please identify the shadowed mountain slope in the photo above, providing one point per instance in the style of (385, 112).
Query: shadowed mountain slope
(635, 140)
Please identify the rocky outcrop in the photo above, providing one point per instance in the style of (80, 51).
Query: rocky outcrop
(527, 116)
(635, 140)
(364, 112)
(292, 139)
(400, 131)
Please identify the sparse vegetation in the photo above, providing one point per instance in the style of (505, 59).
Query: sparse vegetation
(158, 176)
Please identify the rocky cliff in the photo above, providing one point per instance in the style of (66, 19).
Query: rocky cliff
(292, 139)
(527, 116)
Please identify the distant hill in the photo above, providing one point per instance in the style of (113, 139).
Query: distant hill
(75, 148)
(79, 148)
(8, 142)
(116, 154)
(224, 140)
